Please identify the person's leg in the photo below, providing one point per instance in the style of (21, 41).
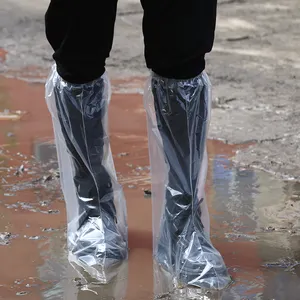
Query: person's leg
(81, 35)
(78, 95)
(177, 36)
(85, 136)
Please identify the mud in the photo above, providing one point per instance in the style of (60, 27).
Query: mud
(254, 216)
(254, 68)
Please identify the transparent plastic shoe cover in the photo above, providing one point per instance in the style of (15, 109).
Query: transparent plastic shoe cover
(178, 113)
(96, 208)
(88, 288)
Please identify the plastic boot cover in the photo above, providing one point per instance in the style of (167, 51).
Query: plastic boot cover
(178, 118)
(96, 208)
(167, 287)
(90, 289)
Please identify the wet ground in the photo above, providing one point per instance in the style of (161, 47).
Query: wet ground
(254, 68)
(254, 217)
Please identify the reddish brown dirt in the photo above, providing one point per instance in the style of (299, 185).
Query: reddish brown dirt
(2, 55)
(128, 135)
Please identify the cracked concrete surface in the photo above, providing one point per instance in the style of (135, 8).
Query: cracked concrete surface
(254, 68)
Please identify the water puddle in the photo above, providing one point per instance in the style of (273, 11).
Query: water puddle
(2, 55)
(254, 217)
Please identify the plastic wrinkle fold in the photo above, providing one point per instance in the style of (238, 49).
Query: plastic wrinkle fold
(178, 113)
(96, 208)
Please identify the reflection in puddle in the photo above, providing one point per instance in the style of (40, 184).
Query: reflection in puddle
(45, 153)
(254, 225)
(74, 283)
(163, 288)
(258, 221)
(254, 218)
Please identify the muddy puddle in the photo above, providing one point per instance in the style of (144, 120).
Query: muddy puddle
(254, 217)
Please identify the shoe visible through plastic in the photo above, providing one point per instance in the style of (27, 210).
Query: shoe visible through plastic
(98, 239)
(178, 118)
(96, 208)
(115, 287)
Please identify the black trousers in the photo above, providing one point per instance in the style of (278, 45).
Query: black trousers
(177, 36)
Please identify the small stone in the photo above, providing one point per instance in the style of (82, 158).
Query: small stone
(270, 228)
(147, 193)
(123, 154)
(31, 172)
(9, 206)
(21, 293)
(48, 229)
(9, 195)
(47, 178)
(4, 238)
(139, 168)
(78, 282)
(54, 173)
(26, 205)
(44, 203)
(53, 212)
(20, 170)
(34, 237)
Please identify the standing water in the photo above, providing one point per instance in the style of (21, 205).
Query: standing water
(254, 217)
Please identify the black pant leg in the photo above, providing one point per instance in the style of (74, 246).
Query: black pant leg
(81, 35)
(178, 34)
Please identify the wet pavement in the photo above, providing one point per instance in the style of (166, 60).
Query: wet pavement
(254, 217)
